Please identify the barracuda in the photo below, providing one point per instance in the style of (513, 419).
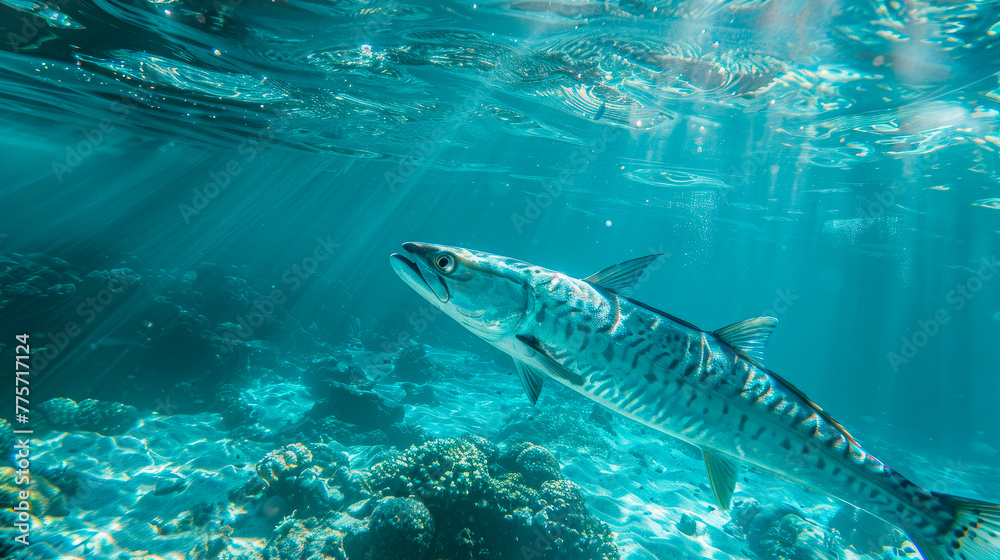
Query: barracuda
(709, 389)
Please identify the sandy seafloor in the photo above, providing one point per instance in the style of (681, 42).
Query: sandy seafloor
(641, 483)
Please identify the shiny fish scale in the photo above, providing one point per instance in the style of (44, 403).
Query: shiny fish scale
(689, 385)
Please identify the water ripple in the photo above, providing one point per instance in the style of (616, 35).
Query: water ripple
(676, 179)
(839, 87)
(158, 71)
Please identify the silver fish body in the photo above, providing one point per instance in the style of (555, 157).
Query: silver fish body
(709, 389)
(688, 384)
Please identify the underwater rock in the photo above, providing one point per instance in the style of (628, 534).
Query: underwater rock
(29, 278)
(538, 465)
(366, 409)
(400, 529)
(419, 394)
(405, 435)
(741, 515)
(687, 525)
(118, 278)
(105, 417)
(26, 290)
(236, 412)
(60, 413)
(412, 363)
(319, 372)
(315, 493)
(169, 486)
(323, 371)
(332, 429)
(601, 416)
(204, 516)
(48, 261)
(64, 478)
(263, 353)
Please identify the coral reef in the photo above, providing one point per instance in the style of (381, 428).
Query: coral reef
(437, 500)
(400, 529)
(310, 480)
(103, 417)
(558, 426)
(476, 515)
(305, 540)
(60, 413)
(538, 466)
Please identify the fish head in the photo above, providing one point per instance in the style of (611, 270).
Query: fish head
(488, 294)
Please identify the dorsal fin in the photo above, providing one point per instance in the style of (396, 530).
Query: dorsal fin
(620, 278)
(749, 337)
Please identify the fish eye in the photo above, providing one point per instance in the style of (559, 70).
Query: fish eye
(444, 262)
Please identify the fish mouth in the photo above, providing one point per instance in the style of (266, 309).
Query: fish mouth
(417, 275)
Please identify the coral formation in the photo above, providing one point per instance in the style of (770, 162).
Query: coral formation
(305, 540)
(105, 417)
(435, 501)
(538, 465)
(400, 529)
(529, 511)
(60, 413)
(313, 480)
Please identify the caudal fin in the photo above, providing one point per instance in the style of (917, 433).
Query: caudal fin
(975, 534)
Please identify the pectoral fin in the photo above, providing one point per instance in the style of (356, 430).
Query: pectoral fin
(551, 365)
(722, 476)
(531, 379)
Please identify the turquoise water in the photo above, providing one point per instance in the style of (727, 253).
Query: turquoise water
(198, 201)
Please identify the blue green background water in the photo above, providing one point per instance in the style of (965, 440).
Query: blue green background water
(833, 164)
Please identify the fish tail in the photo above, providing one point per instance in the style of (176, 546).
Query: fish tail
(974, 535)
